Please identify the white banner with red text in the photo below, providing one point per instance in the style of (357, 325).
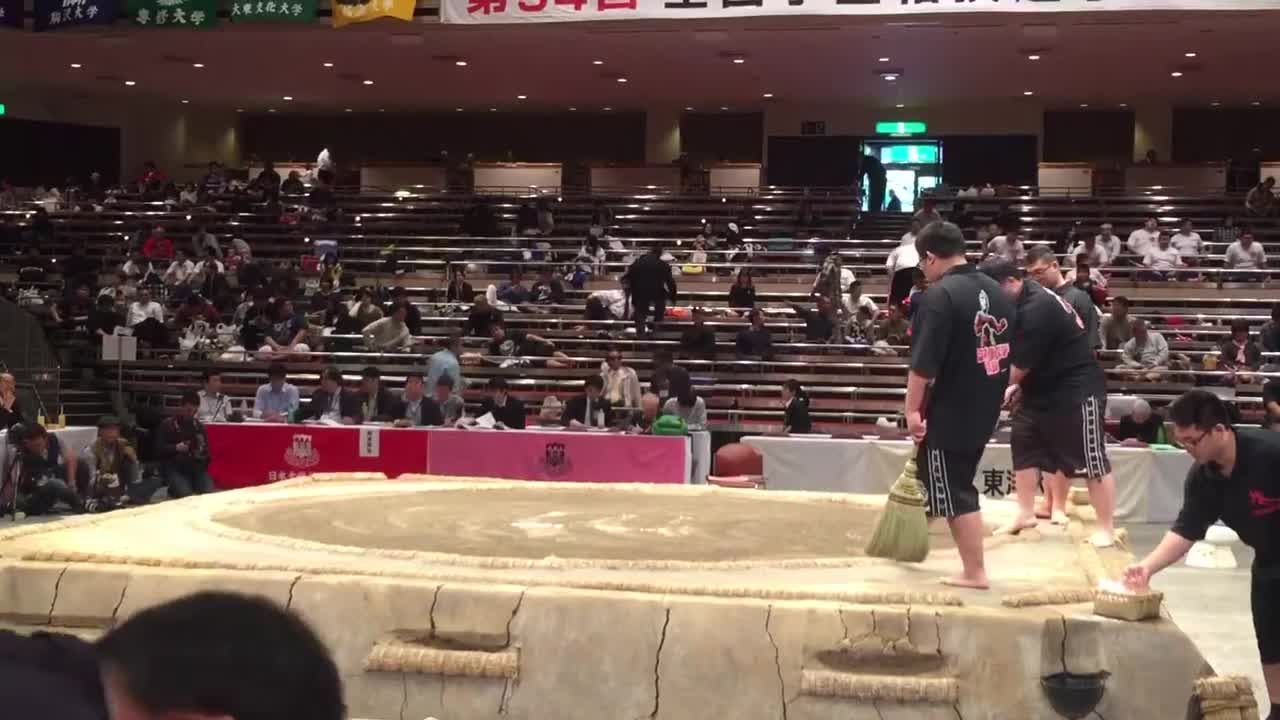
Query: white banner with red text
(533, 11)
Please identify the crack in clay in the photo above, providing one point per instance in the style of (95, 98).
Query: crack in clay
(431, 614)
(777, 662)
(504, 701)
(1064, 645)
(115, 611)
(906, 637)
(441, 701)
(514, 610)
(956, 707)
(876, 706)
(404, 698)
(843, 624)
(289, 603)
(56, 585)
(937, 625)
(657, 666)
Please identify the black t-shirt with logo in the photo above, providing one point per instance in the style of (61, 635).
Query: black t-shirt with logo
(961, 332)
(514, 343)
(1053, 344)
(1084, 307)
(1248, 501)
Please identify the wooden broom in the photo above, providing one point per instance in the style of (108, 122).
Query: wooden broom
(902, 531)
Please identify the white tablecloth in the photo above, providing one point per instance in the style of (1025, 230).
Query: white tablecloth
(1148, 482)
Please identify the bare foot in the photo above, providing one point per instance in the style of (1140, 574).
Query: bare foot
(1102, 538)
(1042, 509)
(1022, 522)
(1059, 518)
(964, 581)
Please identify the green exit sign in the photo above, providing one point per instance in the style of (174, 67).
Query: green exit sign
(2, 109)
(901, 128)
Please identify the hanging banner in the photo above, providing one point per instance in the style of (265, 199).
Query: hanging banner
(289, 11)
(530, 11)
(58, 14)
(175, 13)
(346, 13)
(11, 13)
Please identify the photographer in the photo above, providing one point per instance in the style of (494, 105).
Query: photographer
(183, 448)
(108, 474)
(43, 469)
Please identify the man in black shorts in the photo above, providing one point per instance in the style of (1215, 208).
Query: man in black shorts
(1235, 481)
(961, 331)
(1058, 393)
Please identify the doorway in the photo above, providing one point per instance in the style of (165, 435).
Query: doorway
(911, 167)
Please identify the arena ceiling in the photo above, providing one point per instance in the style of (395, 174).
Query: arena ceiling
(1098, 59)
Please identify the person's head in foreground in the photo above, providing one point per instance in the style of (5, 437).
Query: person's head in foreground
(370, 379)
(594, 386)
(189, 404)
(1202, 425)
(1120, 307)
(499, 387)
(941, 247)
(1005, 273)
(1141, 411)
(414, 386)
(1140, 330)
(790, 390)
(35, 439)
(276, 375)
(650, 404)
(444, 388)
(218, 656)
(109, 429)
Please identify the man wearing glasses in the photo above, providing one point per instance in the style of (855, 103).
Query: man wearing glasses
(1042, 266)
(1234, 481)
(961, 330)
(1057, 393)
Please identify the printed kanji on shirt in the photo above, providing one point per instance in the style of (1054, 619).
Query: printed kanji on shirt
(175, 13)
(288, 11)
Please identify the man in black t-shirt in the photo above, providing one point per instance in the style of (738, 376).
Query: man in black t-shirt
(1233, 481)
(1043, 267)
(1058, 392)
(510, 345)
(961, 332)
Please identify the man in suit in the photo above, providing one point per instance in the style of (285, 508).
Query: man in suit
(505, 408)
(415, 409)
(652, 286)
(589, 409)
(332, 401)
(377, 404)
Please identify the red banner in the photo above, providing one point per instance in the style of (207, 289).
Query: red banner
(255, 453)
(560, 456)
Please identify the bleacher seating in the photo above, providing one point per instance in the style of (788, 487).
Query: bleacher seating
(848, 385)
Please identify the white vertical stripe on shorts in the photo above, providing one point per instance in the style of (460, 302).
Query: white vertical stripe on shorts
(940, 504)
(1094, 449)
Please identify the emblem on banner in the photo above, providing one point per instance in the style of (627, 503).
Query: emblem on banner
(301, 454)
(555, 459)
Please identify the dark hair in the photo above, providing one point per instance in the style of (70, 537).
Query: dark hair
(105, 301)
(371, 373)
(189, 397)
(1239, 324)
(210, 373)
(795, 387)
(941, 239)
(1040, 252)
(595, 381)
(1275, 312)
(398, 291)
(498, 383)
(331, 373)
(399, 305)
(445, 380)
(276, 370)
(225, 654)
(1200, 409)
(1000, 269)
(453, 339)
(107, 421)
(1125, 301)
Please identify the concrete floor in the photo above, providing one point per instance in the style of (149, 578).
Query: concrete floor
(1212, 608)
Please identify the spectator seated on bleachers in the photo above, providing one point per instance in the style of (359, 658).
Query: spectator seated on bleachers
(292, 184)
(510, 293)
(590, 409)
(819, 322)
(104, 318)
(481, 319)
(1090, 250)
(621, 382)
(121, 290)
(1143, 238)
(390, 333)
(688, 407)
(589, 262)
(1245, 254)
(374, 400)
(361, 312)
(158, 247)
(79, 269)
(1117, 328)
(891, 330)
(177, 276)
(1089, 279)
(412, 317)
(1162, 260)
(1261, 199)
(1108, 241)
(754, 341)
(1239, 354)
(277, 399)
(1146, 355)
(1011, 246)
(1188, 243)
(742, 295)
(33, 268)
(459, 290)
(506, 409)
(508, 348)
(146, 319)
(549, 288)
(287, 333)
(698, 341)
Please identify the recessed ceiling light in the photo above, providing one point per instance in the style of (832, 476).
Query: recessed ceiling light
(1175, 73)
(884, 59)
(346, 109)
(622, 80)
(1215, 103)
(608, 109)
(1189, 54)
(75, 66)
(1028, 93)
(1084, 105)
(460, 63)
(287, 98)
(724, 107)
(900, 105)
(597, 62)
(493, 109)
(328, 64)
(239, 110)
(382, 109)
(185, 102)
(271, 110)
(766, 96)
(1255, 103)
(522, 97)
(457, 109)
(1124, 105)
(739, 61)
(890, 77)
(130, 83)
(573, 109)
(368, 82)
(1033, 57)
(197, 65)
(688, 109)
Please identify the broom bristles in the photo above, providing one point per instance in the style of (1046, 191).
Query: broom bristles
(902, 531)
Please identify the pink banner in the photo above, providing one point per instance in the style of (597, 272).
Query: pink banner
(256, 453)
(559, 456)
